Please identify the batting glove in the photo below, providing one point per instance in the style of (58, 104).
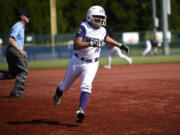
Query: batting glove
(124, 47)
(95, 43)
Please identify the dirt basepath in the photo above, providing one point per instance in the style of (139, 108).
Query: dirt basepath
(126, 100)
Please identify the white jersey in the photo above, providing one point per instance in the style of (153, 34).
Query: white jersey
(89, 34)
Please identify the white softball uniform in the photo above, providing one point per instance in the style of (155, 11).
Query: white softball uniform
(151, 46)
(84, 62)
(116, 50)
(148, 47)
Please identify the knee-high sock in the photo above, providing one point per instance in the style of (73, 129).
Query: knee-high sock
(109, 59)
(84, 100)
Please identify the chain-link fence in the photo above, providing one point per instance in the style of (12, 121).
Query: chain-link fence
(39, 46)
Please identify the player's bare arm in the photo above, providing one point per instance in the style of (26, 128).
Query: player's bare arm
(110, 41)
(13, 43)
(79, 44)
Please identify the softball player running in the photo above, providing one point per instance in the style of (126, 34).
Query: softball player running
(151, 46)
(116, 50)
(84, 62)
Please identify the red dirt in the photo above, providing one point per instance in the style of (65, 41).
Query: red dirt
(126, 100)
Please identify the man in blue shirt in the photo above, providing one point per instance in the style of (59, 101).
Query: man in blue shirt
(16, 56)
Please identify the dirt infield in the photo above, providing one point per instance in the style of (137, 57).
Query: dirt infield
(126, 100)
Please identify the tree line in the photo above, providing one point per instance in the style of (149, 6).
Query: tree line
(122, 15)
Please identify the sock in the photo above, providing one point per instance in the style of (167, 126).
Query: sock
(84, 100)
(109, 61)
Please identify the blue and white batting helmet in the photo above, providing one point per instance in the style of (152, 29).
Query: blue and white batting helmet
(95, 11)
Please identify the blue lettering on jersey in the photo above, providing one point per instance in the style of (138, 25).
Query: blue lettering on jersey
(87, 39)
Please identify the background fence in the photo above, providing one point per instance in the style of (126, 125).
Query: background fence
(39, 46)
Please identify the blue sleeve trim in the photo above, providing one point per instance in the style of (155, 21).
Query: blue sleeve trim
(81, 31)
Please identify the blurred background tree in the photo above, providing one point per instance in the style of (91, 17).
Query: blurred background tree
(122, 15)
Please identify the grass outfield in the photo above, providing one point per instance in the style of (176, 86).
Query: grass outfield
(61, 63)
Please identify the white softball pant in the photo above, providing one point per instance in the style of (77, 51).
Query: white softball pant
(119, 53)
(77, 67)
(148, 48)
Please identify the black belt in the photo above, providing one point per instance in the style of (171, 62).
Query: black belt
(86, 60)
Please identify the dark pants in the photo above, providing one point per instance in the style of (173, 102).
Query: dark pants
(17, 65)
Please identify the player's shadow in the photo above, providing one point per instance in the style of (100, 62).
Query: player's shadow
(41, 121)
(5, 97)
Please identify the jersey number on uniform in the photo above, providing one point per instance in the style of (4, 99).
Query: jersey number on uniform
(97, 50)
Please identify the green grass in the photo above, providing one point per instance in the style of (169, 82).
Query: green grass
(144, 60)
(62, 63)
